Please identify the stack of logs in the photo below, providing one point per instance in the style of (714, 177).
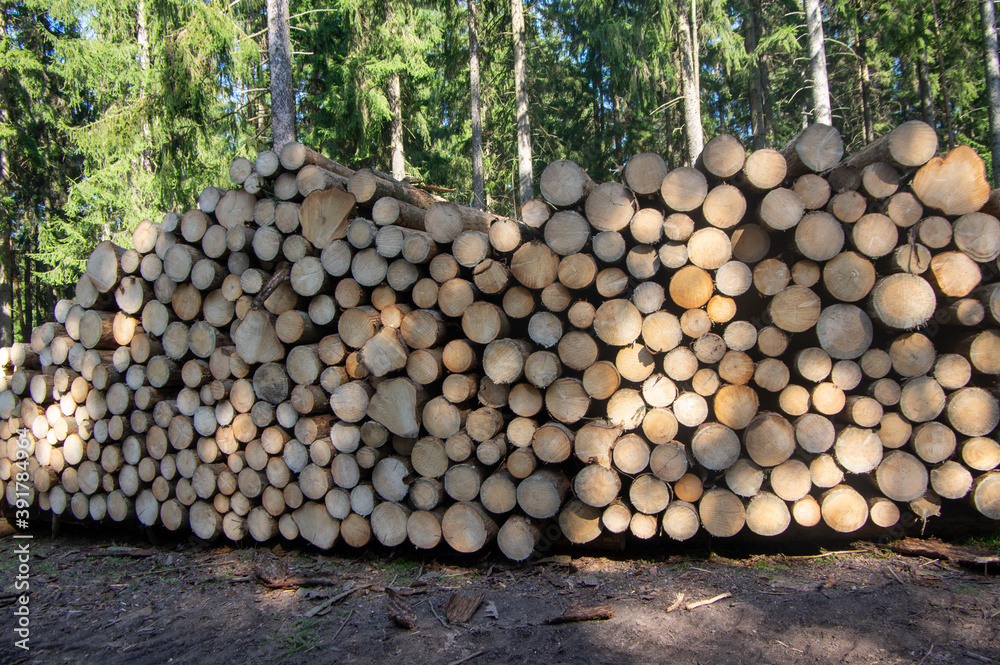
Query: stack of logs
(330, 354)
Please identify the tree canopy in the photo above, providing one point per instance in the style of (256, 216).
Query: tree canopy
(113, 112)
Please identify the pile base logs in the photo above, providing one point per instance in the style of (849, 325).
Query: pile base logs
(755, 344)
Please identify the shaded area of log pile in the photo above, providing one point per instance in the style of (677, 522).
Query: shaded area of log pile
(318, 353)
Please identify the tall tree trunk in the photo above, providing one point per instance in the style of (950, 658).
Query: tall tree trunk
(524, 172)
(992, 80)
(616, 127)
(27, 284)
(817, 63)
(865, 76)
(927, 111)
(142, 38)
(396, 127)
(756, 89)
(695, 44)
(279, 62)
(6, 274)
(689, 83)
(668, 125)
(478, 200)
(942, 78)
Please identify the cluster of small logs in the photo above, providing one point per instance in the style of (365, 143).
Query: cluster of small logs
(785, 336)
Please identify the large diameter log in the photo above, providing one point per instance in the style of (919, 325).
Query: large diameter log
(972, 411)
(610, 207)
(445, 221)
(323, 216)
(955, 184)
(722, 513)
(817, 148)
(844, 509)
(978, 235)
(563, 183)
(535, 265)
(983, 351)
(316, 525)
(97, 330)
(518, 537)
(986, 494)
(684, 189)
(256, 340)
(313, 178)
(715, 446)
(644, 173)
(795, 309)
(901, 476)
(467, 527)
(618, 322)
(922, 399)
(104, 267)
(294, 155)
(764, 170)
(541, 494)
(844, 331)
(767, 515)
(723, 156)
(396, 405)
(858, 450)
(769, 439)
(691, 287)
(903, 301)
(388, 210)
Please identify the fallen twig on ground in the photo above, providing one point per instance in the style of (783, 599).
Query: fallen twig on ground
(703, 603)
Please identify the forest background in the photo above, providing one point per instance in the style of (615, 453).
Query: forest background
(116, 111)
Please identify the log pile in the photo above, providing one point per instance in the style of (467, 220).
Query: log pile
(766, 339)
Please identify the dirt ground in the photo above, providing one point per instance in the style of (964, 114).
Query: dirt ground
(98, 600)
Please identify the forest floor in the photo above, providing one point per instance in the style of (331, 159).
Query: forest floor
(117, 600)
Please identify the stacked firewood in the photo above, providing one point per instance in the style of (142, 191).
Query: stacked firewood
(785, 336)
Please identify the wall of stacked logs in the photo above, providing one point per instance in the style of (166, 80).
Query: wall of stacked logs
(764, 339)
